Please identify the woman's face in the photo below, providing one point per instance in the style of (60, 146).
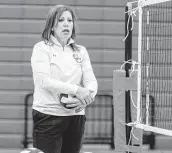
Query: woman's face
(63, 29)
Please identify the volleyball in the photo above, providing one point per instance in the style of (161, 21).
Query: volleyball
(31, 150)
(64, 99)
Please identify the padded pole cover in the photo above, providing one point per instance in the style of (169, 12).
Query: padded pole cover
(121, 83)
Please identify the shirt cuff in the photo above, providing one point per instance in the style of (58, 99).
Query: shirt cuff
(74, 89)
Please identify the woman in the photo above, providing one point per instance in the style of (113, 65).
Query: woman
(64, 84)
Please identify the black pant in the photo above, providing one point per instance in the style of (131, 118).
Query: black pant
(58, 134)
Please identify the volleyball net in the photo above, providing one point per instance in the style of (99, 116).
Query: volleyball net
(154, 66)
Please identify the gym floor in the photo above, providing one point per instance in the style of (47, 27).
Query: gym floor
(106, 149)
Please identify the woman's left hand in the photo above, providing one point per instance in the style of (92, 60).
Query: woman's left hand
(76, 105)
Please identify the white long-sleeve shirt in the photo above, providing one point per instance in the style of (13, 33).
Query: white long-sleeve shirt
(57, 70)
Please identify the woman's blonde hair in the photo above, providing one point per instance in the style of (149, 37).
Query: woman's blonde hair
(53, 15)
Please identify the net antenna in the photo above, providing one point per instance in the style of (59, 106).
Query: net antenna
(154, 66)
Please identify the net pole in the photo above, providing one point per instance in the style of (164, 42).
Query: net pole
(139, 63)
(128, 56)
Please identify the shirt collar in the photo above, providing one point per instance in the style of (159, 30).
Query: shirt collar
(55, 41)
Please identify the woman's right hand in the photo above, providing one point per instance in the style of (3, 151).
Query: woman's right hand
(84, 95)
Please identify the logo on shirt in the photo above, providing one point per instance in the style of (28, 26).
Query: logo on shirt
(77, 58)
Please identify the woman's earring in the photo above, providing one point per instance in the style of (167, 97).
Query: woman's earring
(52, 31)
